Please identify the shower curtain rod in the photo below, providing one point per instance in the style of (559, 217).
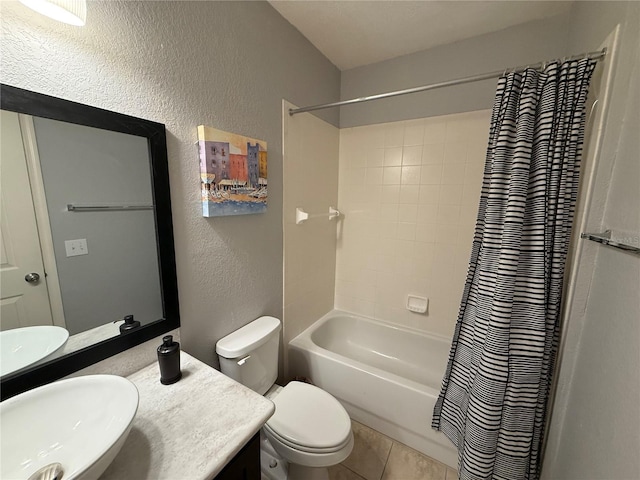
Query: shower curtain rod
(459, 81)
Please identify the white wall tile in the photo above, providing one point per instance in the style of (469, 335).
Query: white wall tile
(365, 291)
(448, 234)
(453, 173)
(410, 194)
(373, 176)
(391, 175)
(405, 248)
(412, 155)
(375, 157)
(423, 260)
(405, 266)
(408, 213)
(389, 212)
(409, 220)
(448, 214)
(434, 130)
(429, 194)
(390, 194)
(433, 153)
(414, 132)
(427, 213)
(431, 174)
(471, 194)
(386, 245)
(468, 216)
(358, 159)
(455, 153)
(373, 135)
(372, 193)
(355, 305)
(393, 157)
(406, 231)
(426, 232)
(411, 175)
(478, 130)
(467, 231)
(387, 229)
(473, 172)
(456, 131)
(394, 134)
(450, 194)
(386, 264)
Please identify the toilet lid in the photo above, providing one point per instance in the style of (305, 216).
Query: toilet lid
(310, 417)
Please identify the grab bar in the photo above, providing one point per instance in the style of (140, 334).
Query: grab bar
(103, 208)
(605, 239)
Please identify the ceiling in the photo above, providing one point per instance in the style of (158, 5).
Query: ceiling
(356, 33)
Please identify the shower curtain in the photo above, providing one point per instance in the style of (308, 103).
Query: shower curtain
(494, 394)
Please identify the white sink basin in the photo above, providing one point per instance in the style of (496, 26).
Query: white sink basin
(22, 347)
(80, 423)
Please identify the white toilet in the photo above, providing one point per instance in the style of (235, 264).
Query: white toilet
(309, 430)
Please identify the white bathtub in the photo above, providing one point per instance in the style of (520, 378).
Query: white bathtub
(387, 377)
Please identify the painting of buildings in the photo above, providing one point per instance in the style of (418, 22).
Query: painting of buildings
(262, 164)
(233, 173)
(252, 163)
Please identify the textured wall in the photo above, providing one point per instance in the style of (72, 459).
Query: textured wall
(530, 42)
(224, 64)
(595, 428)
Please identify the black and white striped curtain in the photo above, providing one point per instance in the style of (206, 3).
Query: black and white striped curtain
(493, 401)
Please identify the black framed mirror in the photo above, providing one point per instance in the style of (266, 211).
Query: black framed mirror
(161, 318)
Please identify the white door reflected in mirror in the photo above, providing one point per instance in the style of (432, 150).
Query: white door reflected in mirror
(23, 302)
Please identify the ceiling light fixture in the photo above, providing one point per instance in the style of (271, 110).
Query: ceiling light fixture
(73, 12)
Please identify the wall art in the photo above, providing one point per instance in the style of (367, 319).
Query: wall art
(233, 173)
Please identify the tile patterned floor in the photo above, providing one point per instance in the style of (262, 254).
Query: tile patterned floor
(378, 457)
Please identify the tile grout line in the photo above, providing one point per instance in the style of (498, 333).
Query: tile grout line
(397, 444)
(354, 472)
(386, 462)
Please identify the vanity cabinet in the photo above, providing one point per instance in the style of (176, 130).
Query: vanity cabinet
(246, 464)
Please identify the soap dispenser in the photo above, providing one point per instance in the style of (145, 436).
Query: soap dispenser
(169, 361)
(129, 324)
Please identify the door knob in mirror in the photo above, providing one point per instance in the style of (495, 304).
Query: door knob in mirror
(32, 277)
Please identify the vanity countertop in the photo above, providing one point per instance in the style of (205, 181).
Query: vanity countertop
(189, 430)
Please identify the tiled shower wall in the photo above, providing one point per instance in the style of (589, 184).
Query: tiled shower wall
(310, 179)
(409, 192)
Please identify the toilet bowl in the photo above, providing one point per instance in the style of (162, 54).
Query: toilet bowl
(310, 430)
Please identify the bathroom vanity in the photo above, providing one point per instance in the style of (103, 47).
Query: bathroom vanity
(202, 427)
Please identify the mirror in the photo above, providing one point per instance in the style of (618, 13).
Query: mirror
(99, 187)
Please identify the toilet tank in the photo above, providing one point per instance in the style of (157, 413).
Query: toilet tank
(250, 354)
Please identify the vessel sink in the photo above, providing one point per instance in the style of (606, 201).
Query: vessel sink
(80, 423)
(23, 347)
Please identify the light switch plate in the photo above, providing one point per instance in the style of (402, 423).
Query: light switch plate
(76, 247)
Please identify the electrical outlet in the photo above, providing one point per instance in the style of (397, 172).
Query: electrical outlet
(76, 247)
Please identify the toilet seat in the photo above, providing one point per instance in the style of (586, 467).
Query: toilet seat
(303, 448)
(309, 419)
